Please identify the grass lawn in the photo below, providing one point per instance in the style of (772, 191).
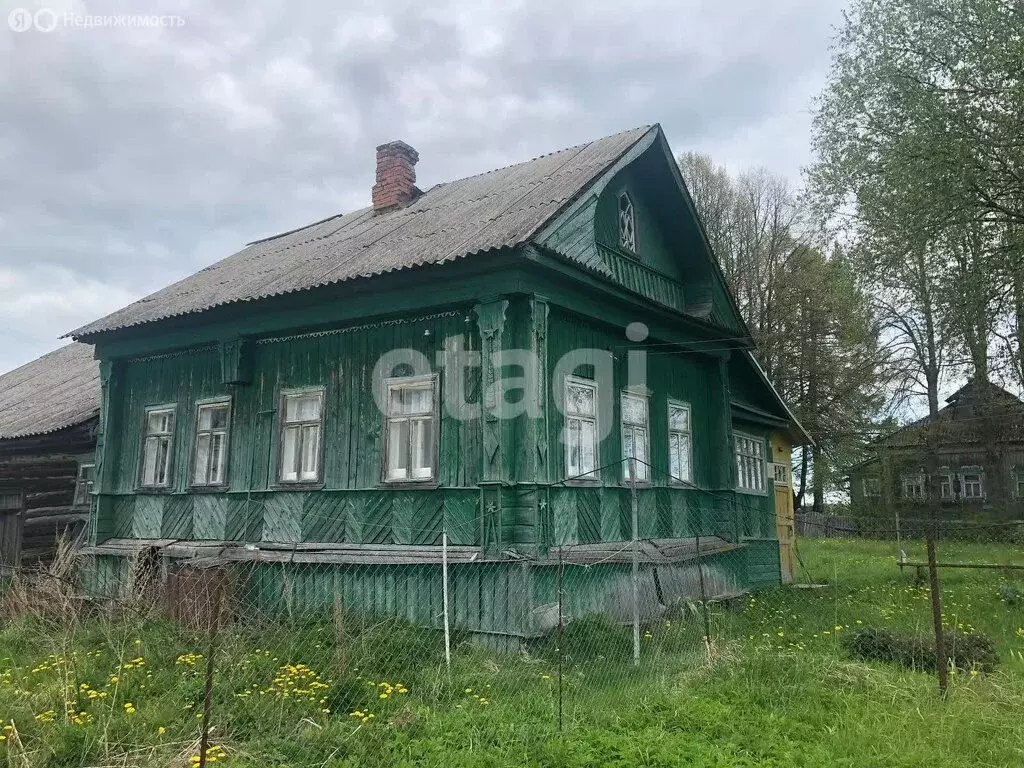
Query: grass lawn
(778, 691)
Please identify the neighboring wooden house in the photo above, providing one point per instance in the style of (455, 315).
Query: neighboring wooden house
(979, 436)
(551, 318)
(49, 414)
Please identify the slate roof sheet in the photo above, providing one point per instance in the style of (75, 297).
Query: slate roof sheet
(500, 208)
(58, 390)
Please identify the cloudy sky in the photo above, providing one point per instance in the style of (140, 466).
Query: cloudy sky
(131, 157)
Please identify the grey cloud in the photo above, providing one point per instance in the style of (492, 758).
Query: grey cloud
(131, 157)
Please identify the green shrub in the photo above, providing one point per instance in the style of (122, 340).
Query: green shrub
(587, 638)
(967, 652)
(1012, 594)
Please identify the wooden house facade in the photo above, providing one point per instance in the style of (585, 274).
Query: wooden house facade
(475, 363)
(49, 415)
(979, 440)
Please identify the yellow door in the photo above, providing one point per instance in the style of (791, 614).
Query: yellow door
(784, 522)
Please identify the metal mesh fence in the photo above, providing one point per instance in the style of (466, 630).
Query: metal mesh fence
(297, 657)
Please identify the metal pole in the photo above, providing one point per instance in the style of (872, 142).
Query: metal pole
(636, 563)
(703, 600)
(561, 637)
(444, 595)
(211, 651)
(899, 543)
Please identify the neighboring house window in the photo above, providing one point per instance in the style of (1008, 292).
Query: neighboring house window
(301, 430)
(635, 435)
(580, 428)
(627, 223)
(871, 486)
(211, 452)
(411, 429)
(750, 463)
(83, 484)
(945, 483)
(157, 447)
(972, 483)
(1019, 477)
(913, 486)
(680, 443)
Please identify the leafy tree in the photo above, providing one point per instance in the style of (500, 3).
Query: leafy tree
(920, 140)
(817, 334)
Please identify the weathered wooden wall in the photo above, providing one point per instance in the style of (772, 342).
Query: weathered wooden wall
(44, 470)
(495, 474)
(1000, 461)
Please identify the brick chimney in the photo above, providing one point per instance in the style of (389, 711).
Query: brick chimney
(396, 175)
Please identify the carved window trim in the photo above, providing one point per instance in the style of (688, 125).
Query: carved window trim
(627, 223)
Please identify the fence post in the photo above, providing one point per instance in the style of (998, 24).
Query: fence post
(444, 597)
(703, 600)
(561, 624)
(636, 562)
(941, 659)
(211, 651)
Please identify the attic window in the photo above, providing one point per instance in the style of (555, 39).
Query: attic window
(627, 223)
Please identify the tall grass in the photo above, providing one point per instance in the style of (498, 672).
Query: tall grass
(88, 685)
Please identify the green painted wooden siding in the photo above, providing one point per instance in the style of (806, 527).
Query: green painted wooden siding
(654, 247)
(690, 377)
(341, 362)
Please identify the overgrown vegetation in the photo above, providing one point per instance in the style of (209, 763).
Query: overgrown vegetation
(968, 653)
(90, 688)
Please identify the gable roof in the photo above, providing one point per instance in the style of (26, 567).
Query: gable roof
(56, 391)
(967, 417)
(498, 209)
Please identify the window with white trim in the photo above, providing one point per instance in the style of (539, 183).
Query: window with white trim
(750, 468)
(411, 426)
(913, 485)
(302, 419)
(635, 436)
(972, 483)
(945, 483)
(627, 223)
(580, 435)
(83, 484)
(680, 443)
(209, 464)
(871, 486)
(157, 447)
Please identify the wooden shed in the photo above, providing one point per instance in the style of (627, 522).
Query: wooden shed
(49, 417)
(478, 363)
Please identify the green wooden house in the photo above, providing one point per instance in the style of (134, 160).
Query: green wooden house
(469, 364)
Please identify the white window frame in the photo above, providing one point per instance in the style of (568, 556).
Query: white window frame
(84, 485)
(302, 474)
(946, 486)
(224, 432)
(760, 486)
(581, 419)
(980, 473)
(685, 437)
(871, 486)
(626, 218)
(782, 474)
(393, 420)
(909, 480)
(155, 439)
(635, 429)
